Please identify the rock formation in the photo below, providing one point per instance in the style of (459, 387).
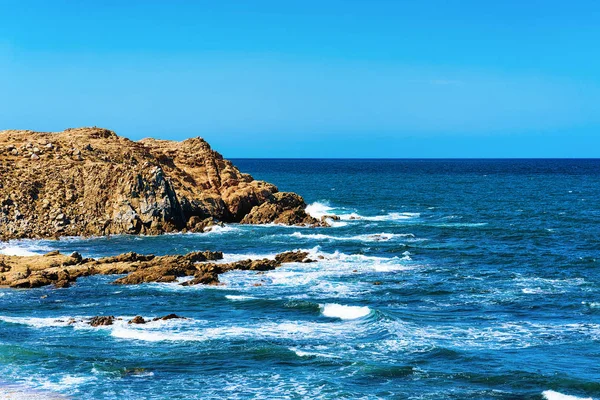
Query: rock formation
(62, 270)
(89, 181)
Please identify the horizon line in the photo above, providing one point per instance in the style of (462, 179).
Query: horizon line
(415, 158)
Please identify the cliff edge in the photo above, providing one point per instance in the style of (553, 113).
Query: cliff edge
(89, 181)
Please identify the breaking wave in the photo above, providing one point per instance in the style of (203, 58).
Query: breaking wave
(374, 237)
(23, 248)
(344, 312)
(319, 210)
(552, 395)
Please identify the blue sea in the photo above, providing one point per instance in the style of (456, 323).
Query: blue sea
(443, 279)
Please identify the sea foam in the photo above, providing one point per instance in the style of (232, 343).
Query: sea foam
(371, 237)
(319, 210)
(24, 248)
(552, 395)
(344, 312)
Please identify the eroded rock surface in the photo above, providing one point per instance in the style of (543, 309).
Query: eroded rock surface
(89, 181)
(62, 270)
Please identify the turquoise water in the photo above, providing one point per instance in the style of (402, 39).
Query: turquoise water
(488, 287)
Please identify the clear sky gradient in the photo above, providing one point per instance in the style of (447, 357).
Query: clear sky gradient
(326, 78)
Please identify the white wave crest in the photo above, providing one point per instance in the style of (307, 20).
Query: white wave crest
(302, 353)
(318, 210)
(393, 216)
(552, 395)
(197, 333)
(234, 297)
(23, 248)
(372, 237)
(217, 229)
(591, 304)
(37, 322)
(344, 312)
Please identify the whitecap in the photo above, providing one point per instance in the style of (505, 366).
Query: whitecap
(289, 330)
(552, 395)
(461, 225)
(534, 291)
(335, 310)
(23, 248)
(235, 297)
(371, 237)
(335, 224)
(303, 353)
(393, 216)
(318, 210)
(37, 322)
(217, 229)
(65, 382)
(591, 304)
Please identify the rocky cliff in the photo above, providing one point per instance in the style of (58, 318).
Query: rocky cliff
(89, 181)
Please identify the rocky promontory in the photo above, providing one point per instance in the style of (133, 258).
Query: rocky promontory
(89, 181)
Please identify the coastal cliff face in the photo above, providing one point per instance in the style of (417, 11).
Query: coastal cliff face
(89, 181)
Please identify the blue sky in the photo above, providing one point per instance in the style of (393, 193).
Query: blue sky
(311, 78)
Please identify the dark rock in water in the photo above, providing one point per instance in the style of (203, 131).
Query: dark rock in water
(332, 217)
(63, 283)
(281, 208)
(134, 371)
(137, 320)
(203, 278)
(292, 256)
(168, 317)
(102, 321)
(62, 270)
(377, 283)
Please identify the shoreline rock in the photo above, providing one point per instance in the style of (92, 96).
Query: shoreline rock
(91, 182)
(54, 268)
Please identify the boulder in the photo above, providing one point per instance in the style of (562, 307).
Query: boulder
(137, 320)
(168, 317)
(102, 321)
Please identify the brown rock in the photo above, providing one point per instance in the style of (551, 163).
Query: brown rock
(168, 317)
(119, 186)
(101, 321)
(281, 208)
(137, 320)
(61, 270)
(292, 256)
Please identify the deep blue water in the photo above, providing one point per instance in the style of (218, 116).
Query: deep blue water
(489, 288)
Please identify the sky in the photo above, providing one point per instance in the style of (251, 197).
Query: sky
(327, 78)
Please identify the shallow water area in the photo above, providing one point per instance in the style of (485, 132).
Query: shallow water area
(441, 280)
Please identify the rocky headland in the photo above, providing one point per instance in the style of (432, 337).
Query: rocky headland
(89, 181)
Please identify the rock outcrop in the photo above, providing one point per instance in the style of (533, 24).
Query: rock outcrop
(281, 208)
(62, 270)
(89, 181)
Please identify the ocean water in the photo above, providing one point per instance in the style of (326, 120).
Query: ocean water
(444, 279)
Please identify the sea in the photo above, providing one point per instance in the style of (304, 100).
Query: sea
(442, 279)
